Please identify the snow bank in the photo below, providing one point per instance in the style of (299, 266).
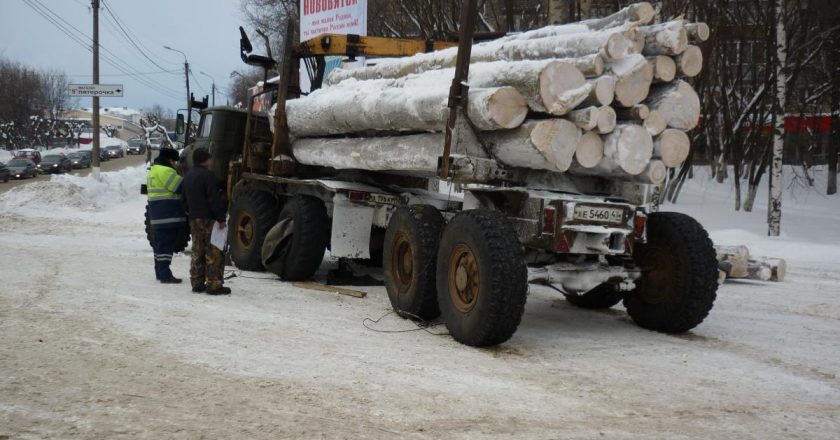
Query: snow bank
(5, 156)
(810, 232)
(73, 196)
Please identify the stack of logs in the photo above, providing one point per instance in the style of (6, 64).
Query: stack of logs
(735, 262)
(603, 97)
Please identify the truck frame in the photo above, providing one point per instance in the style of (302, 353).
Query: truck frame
(464, 245)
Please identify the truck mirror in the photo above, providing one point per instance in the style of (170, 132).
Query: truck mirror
(179, 124)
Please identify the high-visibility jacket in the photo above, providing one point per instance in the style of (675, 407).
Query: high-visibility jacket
(163, 185)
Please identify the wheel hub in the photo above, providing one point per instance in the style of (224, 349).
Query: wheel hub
(463, 280)
(402, 260)
(245, 230)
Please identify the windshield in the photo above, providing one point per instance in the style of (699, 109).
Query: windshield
(113, 147)
(75, 155)
(135, 142)
(18, 163)
(51, 159)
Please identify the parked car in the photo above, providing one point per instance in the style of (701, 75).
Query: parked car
(136, 146)
(79, 159)
(103, 155)
(22, 168)
(115, 151)
(55, 164)
(155, 140)
(5, 174)
(29, 153)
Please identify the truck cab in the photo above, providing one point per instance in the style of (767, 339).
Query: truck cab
(221, 131)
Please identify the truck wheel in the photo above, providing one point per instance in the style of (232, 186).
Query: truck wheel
(601, 297)
(253, 213)
(182, 241)
(679, 275)
(482, 281)
(301, 250)
(411, 247)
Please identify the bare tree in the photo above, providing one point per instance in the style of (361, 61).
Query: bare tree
(55, 85)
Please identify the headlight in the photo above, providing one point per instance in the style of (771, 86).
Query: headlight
(55, 165)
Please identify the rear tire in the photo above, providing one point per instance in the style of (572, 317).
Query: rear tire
(679, 275)
(408, 261)
(482, 281)
(601, 297)
(301, 253)
(252, 215)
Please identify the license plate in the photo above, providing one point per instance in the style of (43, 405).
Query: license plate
(599, 214)
(384, 199)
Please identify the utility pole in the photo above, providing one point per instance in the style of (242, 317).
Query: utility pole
(95, 115)
(189, 97)
(212, 87)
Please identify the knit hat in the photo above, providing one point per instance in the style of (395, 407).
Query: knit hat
(200, 155)
(168, 154)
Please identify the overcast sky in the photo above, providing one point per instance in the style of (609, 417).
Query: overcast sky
(206, 31)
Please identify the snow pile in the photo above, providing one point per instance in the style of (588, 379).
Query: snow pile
(5, 156)
(67, 195)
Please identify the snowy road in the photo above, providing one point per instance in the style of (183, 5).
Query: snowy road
(92, 347)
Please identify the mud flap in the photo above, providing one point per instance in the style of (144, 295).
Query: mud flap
(273, 249)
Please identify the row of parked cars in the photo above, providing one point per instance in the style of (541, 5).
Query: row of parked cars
(29, 163)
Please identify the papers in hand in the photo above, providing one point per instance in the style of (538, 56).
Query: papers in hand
(218, 237)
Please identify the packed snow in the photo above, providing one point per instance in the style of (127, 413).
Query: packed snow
(92, 347)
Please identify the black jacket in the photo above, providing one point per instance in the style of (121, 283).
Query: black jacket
(201, 195)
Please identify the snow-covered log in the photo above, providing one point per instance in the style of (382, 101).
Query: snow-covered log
(416, 154)
(543, 145)
(589, 150)
(338, 111)
(602, 91)
(776, 267)
(733, 260)
(669, 38)
(672, 147)
(690, 62)
(678, 102)
(653, 173)
(611, 44)
(634, 76)
(756, 271)
(607, 120)
(641, 13)
(664, 68)
(697, 32)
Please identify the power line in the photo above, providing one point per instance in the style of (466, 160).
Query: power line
(126, 65)
(128, 38)
(112, 59)
(155, 72)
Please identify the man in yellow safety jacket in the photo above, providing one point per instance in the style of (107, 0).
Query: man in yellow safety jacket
(165, 211)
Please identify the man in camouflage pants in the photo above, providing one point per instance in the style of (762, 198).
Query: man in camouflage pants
(204, 206)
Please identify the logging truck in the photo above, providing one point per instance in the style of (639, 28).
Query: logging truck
(459, 221)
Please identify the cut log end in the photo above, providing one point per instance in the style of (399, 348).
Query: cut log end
(630, 147)
(507, 108)
(556, 140)
(607, 120)
(642, 12)
(653, 173)
(664, 68)
(672, 147)
(618, 46)
(697, 32)
(589, 150)
(562, 88)
(690, 61)
(655, 123)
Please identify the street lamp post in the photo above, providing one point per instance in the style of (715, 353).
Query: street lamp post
(212, 87)
(189, 101)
